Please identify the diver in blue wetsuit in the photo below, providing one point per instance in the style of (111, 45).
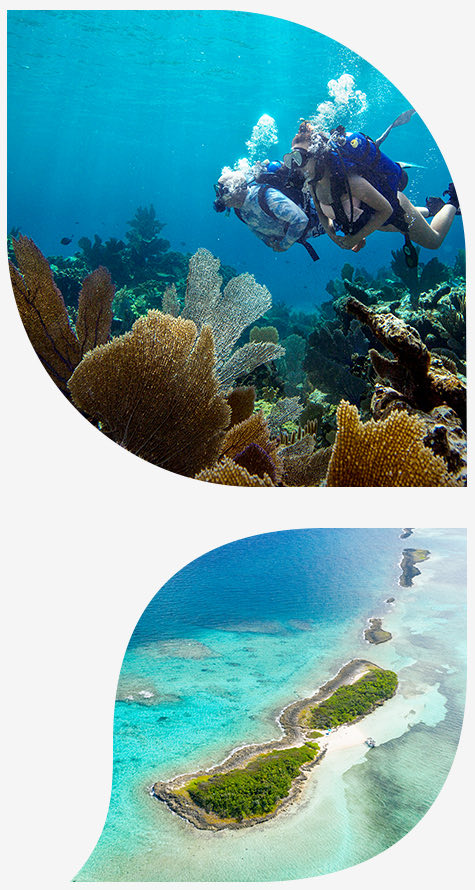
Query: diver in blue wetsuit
(279, 218)
(358, 190)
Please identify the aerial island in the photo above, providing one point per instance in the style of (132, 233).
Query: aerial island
(375, 633)
(256, 782)
(409, 570)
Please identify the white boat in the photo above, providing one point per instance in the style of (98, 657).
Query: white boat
(370, 742)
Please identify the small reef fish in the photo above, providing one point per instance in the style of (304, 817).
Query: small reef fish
(65, 240)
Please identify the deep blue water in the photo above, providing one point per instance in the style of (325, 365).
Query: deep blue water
(110, 110)
(319, 575)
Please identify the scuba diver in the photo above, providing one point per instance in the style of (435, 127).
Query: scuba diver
(270, 201)
(357, 190)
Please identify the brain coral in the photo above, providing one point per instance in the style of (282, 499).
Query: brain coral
(383, 453)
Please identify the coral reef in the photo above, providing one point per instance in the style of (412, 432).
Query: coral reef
(154, 391)
(383, 453)
(94, 319)
(227, 472)
(228, 313)
(43, 312)
(267, 334)
(253, 431)
(385, 343)
(423, 380)
(241, 401)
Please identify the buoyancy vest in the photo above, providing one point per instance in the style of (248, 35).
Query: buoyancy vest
(358, 154)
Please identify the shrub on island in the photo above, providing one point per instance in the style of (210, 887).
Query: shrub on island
(255, 789)
(349, 702)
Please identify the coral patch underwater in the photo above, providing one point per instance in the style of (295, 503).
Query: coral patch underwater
(191, 367)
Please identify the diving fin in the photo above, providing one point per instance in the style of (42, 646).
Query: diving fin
(410, 253)
(403, 118)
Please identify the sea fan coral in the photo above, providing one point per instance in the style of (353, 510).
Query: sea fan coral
(302, 466)
(383, 453)
(154, 391)
(93, 324)
(241, 401)
(228, 313)
(43, 312)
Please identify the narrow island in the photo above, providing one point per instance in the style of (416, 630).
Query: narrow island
(408, 566)
(375, 633)
(406, 533)
(256, 782)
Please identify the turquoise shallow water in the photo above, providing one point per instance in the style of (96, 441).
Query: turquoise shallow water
(240, 633)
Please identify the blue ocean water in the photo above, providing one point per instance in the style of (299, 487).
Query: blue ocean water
(240, 633)
(109, 110)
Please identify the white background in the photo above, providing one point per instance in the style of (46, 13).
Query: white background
(91, 532)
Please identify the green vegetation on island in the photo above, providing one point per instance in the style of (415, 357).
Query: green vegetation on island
(349, 702)
(256, 782)
(254, 790)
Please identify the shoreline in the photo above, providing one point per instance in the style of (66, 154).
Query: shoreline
(292, 722)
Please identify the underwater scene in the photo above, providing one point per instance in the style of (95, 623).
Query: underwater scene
(243, 266)
(289, 705)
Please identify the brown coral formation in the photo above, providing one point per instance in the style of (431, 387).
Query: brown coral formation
(383, 453)
(302, 466)
(241, 401)
(226, 472)
(253, 431)
(267, 334)
(424, 380)
(93, 324)
(154, 391)
(43, 313)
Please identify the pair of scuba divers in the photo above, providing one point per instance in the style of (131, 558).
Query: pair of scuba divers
(342, 185)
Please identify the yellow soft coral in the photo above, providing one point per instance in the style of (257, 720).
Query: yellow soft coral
(226, 472)
(383, 453)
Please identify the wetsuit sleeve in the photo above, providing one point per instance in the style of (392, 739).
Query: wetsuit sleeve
(293, 216)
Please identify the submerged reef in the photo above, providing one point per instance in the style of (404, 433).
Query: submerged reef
(256, 782)
(191, 367)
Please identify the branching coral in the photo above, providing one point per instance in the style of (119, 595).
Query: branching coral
(421, 378)
(383, 453)
(154, 392)
(43, 312)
